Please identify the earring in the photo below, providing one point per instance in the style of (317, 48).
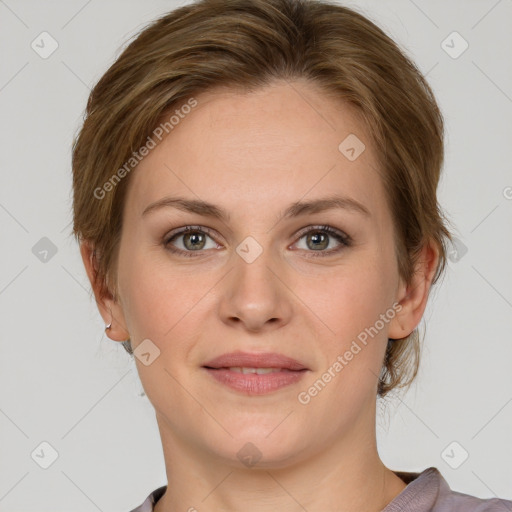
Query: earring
(107, 327)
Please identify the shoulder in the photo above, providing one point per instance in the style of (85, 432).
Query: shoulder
(458, 501)
(149, 502)
(428, 491)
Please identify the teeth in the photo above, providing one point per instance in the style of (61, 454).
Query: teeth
(259, 371)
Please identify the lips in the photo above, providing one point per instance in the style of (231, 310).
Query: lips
(245, 360)
(255, 374)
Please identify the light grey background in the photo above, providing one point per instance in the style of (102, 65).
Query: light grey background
(64, 382)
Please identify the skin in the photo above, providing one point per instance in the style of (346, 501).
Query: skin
(253, 154)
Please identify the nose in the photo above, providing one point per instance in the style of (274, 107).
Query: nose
(255, 297)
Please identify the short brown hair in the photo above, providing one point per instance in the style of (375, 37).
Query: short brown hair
(246, 44)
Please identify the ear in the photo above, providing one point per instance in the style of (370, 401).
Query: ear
(413, 298)
(109, 308)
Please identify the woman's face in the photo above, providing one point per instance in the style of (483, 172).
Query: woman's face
(259, 281)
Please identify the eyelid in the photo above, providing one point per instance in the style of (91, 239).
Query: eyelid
(186, 229)
(300, 233)
(342, 238)
(329, 229)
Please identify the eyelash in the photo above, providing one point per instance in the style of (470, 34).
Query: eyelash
(344, 240)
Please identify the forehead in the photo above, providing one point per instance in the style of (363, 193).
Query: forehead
(274, 145)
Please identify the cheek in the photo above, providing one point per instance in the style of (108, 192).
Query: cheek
(160, 300)
(351, 298)
(350, 303)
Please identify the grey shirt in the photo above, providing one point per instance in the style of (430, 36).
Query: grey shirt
(427, 491)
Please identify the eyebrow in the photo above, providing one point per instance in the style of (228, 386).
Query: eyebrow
(296, 209)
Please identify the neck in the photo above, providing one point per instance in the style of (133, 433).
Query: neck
(346, 476)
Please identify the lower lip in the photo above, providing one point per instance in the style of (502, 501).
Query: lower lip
(254, 384)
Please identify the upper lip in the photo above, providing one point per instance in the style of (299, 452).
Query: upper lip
(248, 360)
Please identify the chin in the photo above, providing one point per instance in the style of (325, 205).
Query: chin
(261, 445)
